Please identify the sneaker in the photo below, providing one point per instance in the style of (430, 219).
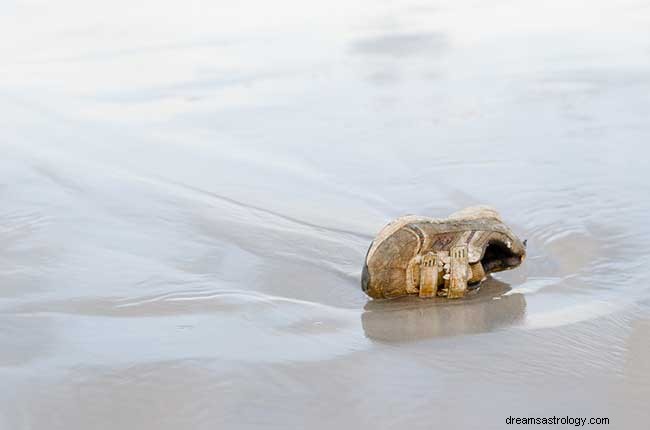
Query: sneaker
(439, 257)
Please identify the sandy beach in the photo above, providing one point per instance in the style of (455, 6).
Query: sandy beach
(188, 191)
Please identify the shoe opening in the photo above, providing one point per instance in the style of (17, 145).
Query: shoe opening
(499, 257)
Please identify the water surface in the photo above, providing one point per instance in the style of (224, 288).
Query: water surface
(187, 193)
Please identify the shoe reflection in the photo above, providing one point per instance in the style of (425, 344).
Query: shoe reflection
(410, 318)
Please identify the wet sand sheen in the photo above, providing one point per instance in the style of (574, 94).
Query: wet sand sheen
(184, 214)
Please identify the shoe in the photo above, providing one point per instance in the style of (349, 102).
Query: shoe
(439, 257)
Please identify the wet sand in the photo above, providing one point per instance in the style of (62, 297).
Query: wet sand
(187, 193)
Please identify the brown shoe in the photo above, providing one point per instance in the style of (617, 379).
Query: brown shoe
(439, 257)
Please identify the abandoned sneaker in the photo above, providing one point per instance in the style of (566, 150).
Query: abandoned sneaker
(439, 257)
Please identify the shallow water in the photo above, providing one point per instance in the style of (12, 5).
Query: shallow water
(187, 193)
